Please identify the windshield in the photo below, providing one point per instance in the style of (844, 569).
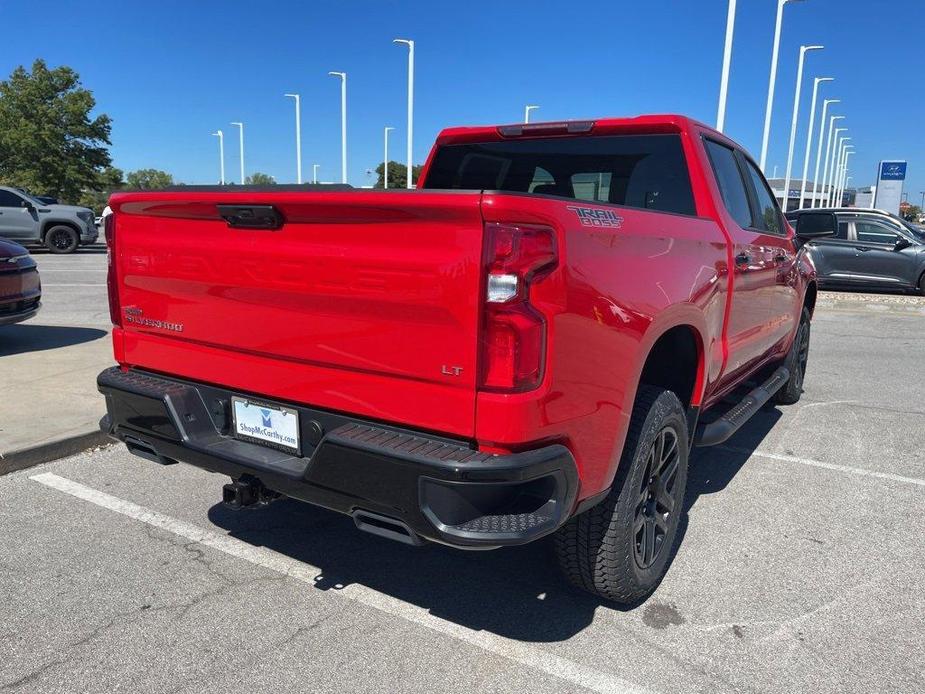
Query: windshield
(35, 201)
(917, 231)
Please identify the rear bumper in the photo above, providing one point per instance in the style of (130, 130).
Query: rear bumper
(19, 311)
(436, 488)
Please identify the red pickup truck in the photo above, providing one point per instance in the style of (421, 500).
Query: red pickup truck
(529, 344)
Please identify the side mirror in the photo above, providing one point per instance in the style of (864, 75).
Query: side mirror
(901, 243)
(28, 205)
(816, 226)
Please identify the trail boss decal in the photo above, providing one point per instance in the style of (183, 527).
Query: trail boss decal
(591, 217)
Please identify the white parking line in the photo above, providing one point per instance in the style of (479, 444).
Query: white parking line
(827, 466)
(535, 658)
(57, 284)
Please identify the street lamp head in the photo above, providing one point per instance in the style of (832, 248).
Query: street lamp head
(806, 49)
(342, 75)
(218, 133)
(388, 128)
(407, 42)
(238, 123)
(292, 96)
(832, 101)
(819, 80)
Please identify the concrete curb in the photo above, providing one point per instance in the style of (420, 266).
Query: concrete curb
(51, 450)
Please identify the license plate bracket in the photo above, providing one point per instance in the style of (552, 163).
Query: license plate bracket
(270, 425)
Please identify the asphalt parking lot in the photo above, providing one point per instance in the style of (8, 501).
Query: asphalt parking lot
(800, 569)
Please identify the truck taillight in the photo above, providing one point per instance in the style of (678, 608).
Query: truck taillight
(513, 339)
(112, 284)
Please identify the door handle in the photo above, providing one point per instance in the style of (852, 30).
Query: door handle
(862, 248)
(743, 259)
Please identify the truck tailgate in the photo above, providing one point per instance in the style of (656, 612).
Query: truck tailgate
(362, 302)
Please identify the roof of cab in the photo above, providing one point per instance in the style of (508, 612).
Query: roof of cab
(663, 123)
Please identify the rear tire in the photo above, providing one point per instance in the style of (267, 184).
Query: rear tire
(620, 549)
(922, 284)
(61, 239)
(796, 361)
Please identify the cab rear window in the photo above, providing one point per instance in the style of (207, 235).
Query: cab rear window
(644, 171)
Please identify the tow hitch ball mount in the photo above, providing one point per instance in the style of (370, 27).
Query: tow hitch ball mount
(247, 492)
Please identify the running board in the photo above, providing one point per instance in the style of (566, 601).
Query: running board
(720, 430)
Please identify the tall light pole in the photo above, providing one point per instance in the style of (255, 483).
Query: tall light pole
(793, 124)
(221, 153)
(840, 197)
(527, 110)
(922, 206)
(315, 172)
(825, 109)
(385, 158)
(840, 144)
(343, 123)
(298, 137)
(829, 174)
(241, 142)
(410, 162)
(727, 60)
(828, 154)
(772, 81)
(836, 179)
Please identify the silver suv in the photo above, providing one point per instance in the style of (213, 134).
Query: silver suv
(60, 228)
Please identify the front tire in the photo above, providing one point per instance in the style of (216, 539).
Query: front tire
(796, 361)
(621, 548)
(61, 239)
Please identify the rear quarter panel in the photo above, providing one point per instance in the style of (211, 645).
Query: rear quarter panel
(616, 290)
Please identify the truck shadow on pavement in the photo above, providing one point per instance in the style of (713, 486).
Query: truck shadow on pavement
(19, 339)
(515, 592)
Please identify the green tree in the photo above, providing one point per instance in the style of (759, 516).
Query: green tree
(96, 197)
(259, 179)
(398, 175)
(146, 179)
(49, 144)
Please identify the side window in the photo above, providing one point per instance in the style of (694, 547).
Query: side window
(869, 231)
(729, 180)
(819, 221)
(8, 199)
(769, 214)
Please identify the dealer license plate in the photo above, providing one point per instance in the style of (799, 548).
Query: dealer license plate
(257, 422)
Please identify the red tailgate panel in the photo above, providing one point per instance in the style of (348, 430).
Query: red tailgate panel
(356, 304)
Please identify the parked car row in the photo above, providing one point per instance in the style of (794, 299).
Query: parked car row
(869, 249)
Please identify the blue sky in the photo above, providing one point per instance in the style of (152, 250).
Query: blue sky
(169, 73)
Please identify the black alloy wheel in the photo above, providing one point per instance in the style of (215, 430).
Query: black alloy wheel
(657, 499)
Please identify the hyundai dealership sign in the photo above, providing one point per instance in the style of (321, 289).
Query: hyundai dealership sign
(890, 181)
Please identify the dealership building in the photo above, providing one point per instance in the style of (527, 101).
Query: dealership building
(793, 199)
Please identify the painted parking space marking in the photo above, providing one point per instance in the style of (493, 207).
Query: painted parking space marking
(826, 466)
(537, 659)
